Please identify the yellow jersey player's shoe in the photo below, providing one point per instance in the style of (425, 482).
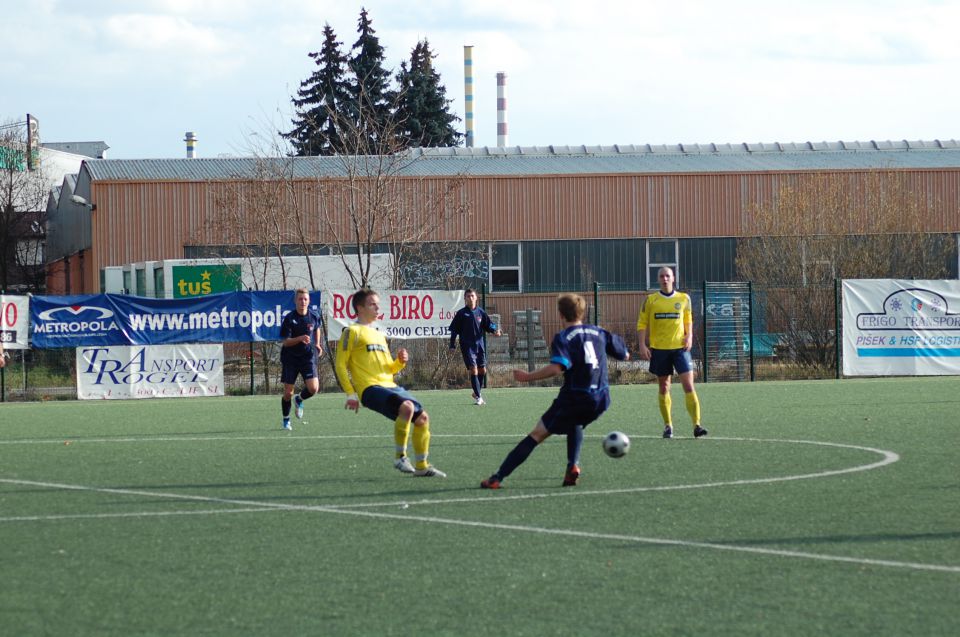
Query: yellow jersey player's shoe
(699, 432)
(403, 465)
(429, 472)
(668, 432)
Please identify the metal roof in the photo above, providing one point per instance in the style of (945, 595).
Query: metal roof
(558, 160)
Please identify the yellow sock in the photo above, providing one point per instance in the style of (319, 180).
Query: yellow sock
(693, 407)
(665, 405)
(401, 431)
(421, 445)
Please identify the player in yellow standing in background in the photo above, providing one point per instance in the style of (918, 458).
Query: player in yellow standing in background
(365, 370)
(665, 327)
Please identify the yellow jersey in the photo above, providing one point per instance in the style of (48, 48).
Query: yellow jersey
(664, 318)
(363, 360)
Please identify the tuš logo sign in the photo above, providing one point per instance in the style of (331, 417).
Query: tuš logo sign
(192, 280)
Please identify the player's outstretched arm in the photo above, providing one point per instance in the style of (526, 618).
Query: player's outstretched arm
(545, 372)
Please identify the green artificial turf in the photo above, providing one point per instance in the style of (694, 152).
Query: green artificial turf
(813, 507)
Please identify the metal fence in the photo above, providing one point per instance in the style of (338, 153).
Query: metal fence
(772, 334)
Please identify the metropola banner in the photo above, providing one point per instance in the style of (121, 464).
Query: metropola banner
(149, 371)
(14, 321)
(894, 327)
(117, 319)
(404, 314)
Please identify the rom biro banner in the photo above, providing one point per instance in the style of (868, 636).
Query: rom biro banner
(894, 327)
(404, 314)
(149, 371)
(116, 319)
(14, 321)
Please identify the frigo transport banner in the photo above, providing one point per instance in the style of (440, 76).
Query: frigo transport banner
(149, 371)
(14, 321)
(116, 319)
(894, 327)
(404, 314)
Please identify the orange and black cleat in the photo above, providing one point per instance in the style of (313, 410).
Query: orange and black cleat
(490, 483)
(572, 476)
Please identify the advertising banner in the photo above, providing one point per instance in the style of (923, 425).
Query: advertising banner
(203, 280)
(893, 327)
(403, 314)
(14, 321)
(114, 319)
(149, 371)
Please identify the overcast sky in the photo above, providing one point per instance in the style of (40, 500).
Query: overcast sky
(138, 74)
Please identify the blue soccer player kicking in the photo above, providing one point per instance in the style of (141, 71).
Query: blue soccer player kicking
(579, 352)
(470, 323)
(301, 346)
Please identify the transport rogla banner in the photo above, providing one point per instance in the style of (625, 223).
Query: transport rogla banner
(404, 314)
(116, 319)
(149, 371)
(14, 321)
(893, 327)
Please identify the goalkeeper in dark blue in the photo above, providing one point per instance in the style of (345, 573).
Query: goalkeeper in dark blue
(579, 352)
(470, 323)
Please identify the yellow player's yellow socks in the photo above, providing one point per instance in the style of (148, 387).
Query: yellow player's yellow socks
(666, 404)
(693, 407)
(421, 445)
(401, 431)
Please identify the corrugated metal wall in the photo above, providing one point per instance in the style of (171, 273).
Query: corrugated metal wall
(154, 220)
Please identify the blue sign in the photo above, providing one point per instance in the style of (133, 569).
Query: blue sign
(116, 319)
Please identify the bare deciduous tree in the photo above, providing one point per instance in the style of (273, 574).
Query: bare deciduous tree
(23, 203)
(819, 228)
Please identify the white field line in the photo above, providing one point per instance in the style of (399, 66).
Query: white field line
(888, 457)
(476, 524)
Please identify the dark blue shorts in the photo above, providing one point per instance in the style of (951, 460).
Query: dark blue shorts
(568, 411)
(291, 369)
(387, 401)
(474, 356)
(663, 362)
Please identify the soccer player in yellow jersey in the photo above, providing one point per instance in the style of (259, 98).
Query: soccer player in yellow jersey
(665, 327)
(365, 371)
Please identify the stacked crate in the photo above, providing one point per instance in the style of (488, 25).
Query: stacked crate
(529, 333)
(498, 347)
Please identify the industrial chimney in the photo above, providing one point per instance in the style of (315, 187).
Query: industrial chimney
(468, 93)
(501, 109)
(191, 140)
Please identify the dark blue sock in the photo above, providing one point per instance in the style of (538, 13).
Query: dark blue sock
(574, 443)
(475, 383)
(285, 407)
(516, 457)
(305, 393)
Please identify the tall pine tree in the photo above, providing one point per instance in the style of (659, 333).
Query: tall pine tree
(317, 129)
(423, 110)
(371, 105)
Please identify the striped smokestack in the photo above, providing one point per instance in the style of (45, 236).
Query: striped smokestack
(468, 93)
(501, 109)
(191, 140)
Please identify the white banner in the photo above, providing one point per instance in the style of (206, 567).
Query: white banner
(15, 321)
(403, 314)
(150, 371)
(893, 327)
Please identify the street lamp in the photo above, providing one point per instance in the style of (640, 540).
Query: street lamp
(80, 201)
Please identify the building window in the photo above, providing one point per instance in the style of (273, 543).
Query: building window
(505, 267)
(661, 253)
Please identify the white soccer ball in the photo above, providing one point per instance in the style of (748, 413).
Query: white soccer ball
(616, 444)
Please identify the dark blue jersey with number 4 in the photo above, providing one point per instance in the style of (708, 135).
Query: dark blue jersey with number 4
(582, 350)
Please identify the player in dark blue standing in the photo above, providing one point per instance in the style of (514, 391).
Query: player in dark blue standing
(302, 345)
(579, 352)
(470, 323)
